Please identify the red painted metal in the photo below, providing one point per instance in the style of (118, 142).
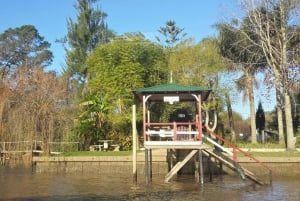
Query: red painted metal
(235, 149)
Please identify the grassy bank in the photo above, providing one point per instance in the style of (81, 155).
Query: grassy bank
(97, 153)
(261, 150)
(287, 154)
(128, 153)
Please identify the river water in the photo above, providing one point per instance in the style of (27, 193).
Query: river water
(22, 185)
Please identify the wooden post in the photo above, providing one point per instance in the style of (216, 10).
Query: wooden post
(201, 166)
(197, 171)
(134, 144)
(200, 116)
(209, 167)
(144, 118)
(147, 167)
(150, 165)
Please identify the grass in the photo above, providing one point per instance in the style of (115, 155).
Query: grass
(287, 154)
(128, 153)
(238, 144)
(97, 153)
(259, 145)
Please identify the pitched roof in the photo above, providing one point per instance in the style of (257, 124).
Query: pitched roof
(183, 91)
(172, 87)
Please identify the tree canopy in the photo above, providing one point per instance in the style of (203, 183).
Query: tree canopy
(121, 66)
(84, 35)
(23, 47)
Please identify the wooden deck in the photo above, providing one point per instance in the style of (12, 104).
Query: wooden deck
(175, 145)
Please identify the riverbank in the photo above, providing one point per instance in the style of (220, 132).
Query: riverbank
(282, 166)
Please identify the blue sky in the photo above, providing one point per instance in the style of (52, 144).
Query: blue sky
(146, 16)
(197, 17)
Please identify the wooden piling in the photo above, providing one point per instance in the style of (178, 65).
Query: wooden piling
(201, 167)
(134, 145)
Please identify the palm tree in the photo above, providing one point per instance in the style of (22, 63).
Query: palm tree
(245, 85)
(244, 57)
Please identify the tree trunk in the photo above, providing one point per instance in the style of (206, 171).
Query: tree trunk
(289, 123)
(279, 108)
(290, 142)
(252, 111)
(230, 117)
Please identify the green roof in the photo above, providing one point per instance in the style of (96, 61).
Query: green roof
(184, 91)
(172, 87)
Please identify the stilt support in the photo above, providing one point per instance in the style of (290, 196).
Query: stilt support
(150, 165)
(201, 167)
(147, 168)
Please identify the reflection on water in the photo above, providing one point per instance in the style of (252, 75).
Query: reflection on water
(22, 185)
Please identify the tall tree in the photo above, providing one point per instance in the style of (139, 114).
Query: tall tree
(199, 64)
(196, 64)
(127, 63)
(246, 58)
(260, 121)
(84, 35)
(269, 22)
(172, 35)
(34, 109)
(23, 47)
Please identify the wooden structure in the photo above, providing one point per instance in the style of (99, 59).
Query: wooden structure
(181, 133)
(15, 152)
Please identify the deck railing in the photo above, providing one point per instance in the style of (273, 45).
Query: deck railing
(176, 131)
(236, 149)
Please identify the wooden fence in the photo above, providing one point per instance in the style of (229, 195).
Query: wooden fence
(17, 151)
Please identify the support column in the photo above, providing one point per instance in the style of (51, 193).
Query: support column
(150, 165)
(197, 171)
(201, 167)
(147, 176)
(134, 145)
(210, 167)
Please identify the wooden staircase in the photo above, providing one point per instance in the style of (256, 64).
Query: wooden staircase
(243, 172)
(227, 158)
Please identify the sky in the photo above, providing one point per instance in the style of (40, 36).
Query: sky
(49, 17)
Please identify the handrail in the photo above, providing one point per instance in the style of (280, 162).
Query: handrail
(174, 125)
(170, 123)
(218, 145)
(235, 148)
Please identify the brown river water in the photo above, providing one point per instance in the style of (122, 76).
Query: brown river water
(23, 185)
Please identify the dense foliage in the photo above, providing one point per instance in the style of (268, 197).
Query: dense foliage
(92, 99)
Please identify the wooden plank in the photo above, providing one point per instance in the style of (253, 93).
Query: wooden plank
(236, 167)
(174, 145)
(179, 165)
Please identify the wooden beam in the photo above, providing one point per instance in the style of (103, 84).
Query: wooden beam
(179, 165)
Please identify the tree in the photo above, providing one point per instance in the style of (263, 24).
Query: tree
(84, 35)
(230, 116)
(269, 22)
(245, 57)
(35, 108)
(127, 63)
(172, 36)
(23, 47)
(92, 120)
(260, 121)
(196, 64)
